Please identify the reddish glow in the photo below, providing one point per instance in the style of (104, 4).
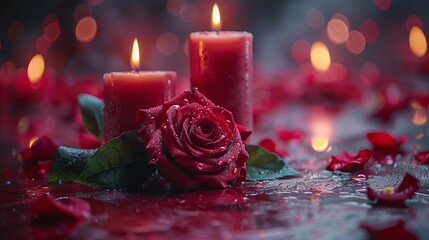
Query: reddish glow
(51, 32)
(35, 69)
(191, 14)
(356, 42)
(51, 18)
(86, 29)
(370, 73)
(320, 56)
(301, 51)
(337, 31)
(7, 72)
(216, 22)
(135, 56)
(417, 41)
(15, 31)
(382, 4)
(42, 45)
(314, 18)
(95, 2)
(370, 30)
(176, 7)
(336, 72)
(81, 11)
(167, 43)
(186, 47)
(342, 18)
(412, 21)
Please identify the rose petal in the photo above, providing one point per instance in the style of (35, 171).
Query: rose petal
(48, 210)
(397, 198)
(146, 122)
(43, 148)
(395, 231)
(422, 157)
(345, 162)
(270, 145)
(382, 140)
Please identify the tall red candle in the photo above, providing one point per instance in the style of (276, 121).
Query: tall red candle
(127, 92)
(221, 69)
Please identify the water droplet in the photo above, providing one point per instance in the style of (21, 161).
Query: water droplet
(220, 163)
(222, 148)
(234, 171)
(7, 182)
(259, 184)
(151, 120)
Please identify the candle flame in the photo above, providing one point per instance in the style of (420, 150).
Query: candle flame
(417, 40)
(320, 56)
(216, 22)
(135, 56)
(35, 69)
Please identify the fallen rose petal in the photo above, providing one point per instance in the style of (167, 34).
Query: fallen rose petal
(385, 146)
(395, 231)
(270, 145)
(422, 157)
(395, 197)
(290, 135)
(346, 162)
(47, 210)
(43, 148)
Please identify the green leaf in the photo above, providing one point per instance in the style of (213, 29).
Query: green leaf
(120, 163)
(92, 114)
(263, 165)
(68, 164)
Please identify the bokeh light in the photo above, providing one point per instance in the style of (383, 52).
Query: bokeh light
(382, 4)
(167, 43)
(417, 41)
(337, 31)
(412, 21)
(35, 69)
(51, 32)
(370, 30)
(370, 73)
(420, 117)
(341, 17)
(314, 18)
(81, 11)
(356, 42)
(300, 51)
(42, 45)
(319, 143)
(320, 56)
(191, 14)
(86, 29)
(176, 7)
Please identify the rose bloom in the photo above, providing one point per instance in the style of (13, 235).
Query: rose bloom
(395, 197)
(193, 143)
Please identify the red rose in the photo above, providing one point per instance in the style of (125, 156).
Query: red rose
(346, 162)
(193, 143)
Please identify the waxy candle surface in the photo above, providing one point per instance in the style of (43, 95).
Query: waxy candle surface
(221, 69)
(126, 92)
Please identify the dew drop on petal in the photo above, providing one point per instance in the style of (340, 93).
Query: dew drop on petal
(234, 171)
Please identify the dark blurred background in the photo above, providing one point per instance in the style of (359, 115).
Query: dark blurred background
(162, 27)
(372, 52)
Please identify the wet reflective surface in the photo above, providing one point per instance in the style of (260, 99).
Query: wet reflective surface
(319, 205)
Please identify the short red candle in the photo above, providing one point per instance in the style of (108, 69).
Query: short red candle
(221, 69)
(127, 92)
